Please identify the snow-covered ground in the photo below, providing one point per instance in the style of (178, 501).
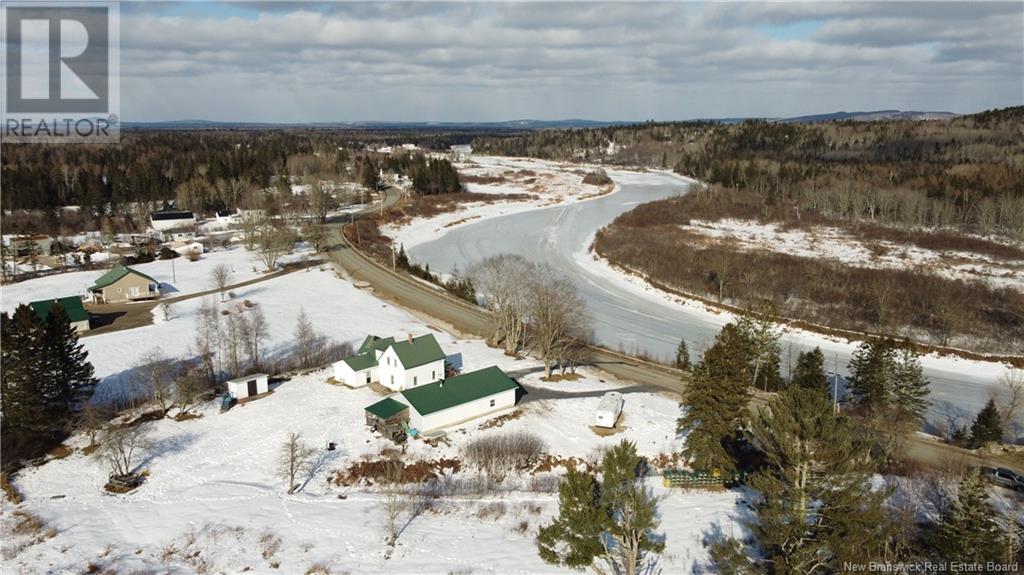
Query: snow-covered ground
(549, 183)
(834, 244)
(213, 501)
(178, 278)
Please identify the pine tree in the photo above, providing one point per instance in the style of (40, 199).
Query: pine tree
(816, 507)
(715, 401)
(908, 384)
(68, 371)
(682, 355)
(611, 522)
(810, 371)
(967, 531)
(23, 421)
(987, 426)
(869, 372)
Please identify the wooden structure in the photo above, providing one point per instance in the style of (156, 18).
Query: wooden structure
(388, 417)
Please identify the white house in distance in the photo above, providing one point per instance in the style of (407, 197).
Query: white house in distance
(397, 365)
(453, 400)
(248, 386)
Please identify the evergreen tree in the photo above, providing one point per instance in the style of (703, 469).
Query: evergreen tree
(715, 401)
(987, 426)
(967, 531)
(869, 367)
(908, 384)
(682, 355)
(816, 507)
(810, 371)
(762, 336)
(67, 370)
(611, 521)
(22, 361)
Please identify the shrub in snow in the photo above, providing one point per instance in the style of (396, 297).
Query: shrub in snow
(498, 454)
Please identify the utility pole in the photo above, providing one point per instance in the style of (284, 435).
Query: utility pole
(174, 275)
(835, 384)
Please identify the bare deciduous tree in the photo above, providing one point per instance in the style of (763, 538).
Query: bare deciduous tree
(309, 344)
(190, 387)
(274, 243)
(557, 315)
(219, 277)
(91, 420)
(294, 458)
(256, 332)
(392, 498)
(208, 339)
(121, 445)
(156, 374)
(1010, 400)
(503, 279)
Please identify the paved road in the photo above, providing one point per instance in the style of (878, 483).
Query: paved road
(433, 303)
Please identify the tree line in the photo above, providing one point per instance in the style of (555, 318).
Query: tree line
(958, 173)
(203, 171)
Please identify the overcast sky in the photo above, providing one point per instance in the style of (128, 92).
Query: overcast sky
(297, 62)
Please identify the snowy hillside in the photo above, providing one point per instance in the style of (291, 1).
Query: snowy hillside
(213, 501)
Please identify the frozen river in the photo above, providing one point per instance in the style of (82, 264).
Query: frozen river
(628, 318)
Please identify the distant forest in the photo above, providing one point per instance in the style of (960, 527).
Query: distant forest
(946, 185)
(965, 173)
(203, 171)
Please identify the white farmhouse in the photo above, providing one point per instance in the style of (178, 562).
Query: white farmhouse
(458, 399)
(248, 386)
(411, 363)
(361, 368)
(396, 365)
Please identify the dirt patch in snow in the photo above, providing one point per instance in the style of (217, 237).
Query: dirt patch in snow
(373, 471)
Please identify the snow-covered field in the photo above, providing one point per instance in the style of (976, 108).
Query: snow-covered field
(213, 502)
(835, 244)
(550, 184)
(186, 277)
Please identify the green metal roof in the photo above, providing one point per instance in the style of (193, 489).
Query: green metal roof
(72, 305)
(115, 274)
(457, 390)
(421, 350)
(373, 342)
(361, 362)
(386, 408)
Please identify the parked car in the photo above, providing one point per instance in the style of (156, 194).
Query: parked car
(1003, 477)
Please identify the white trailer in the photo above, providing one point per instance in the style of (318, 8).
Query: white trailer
(608, 410)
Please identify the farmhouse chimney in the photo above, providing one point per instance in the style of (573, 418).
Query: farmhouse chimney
(409, 337)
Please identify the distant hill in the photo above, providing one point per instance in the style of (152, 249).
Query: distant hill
(870, 116)
(516, 125)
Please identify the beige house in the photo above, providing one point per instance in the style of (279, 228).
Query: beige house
(123, 284)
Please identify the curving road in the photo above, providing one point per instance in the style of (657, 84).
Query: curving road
(628, 319)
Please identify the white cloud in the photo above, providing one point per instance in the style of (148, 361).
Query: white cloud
(483, 61)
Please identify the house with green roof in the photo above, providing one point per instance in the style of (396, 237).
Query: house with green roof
(72, 306)
(450, 401)
(122, 284)
(396, 365)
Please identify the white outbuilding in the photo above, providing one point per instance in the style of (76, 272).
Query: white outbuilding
(248, 386)
(608, 410)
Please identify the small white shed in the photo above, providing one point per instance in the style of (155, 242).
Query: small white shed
(248, 386)
(608, 410)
